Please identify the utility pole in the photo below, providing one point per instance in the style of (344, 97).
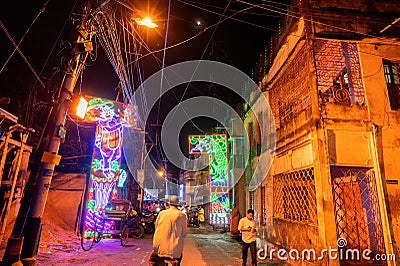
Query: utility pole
(25, 237)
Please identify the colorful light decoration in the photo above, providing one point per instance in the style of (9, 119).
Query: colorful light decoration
(216, 146)
(106, 173)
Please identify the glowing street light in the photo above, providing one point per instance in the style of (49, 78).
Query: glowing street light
(146, 22)
(82, 108)
(161, 173)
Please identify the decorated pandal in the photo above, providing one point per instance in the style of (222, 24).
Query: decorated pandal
(216, 146)
(106, 173)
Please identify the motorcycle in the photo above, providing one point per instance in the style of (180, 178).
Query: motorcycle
(134, 228)
(148, 220)
(193, 218)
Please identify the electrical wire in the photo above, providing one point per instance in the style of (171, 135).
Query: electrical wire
(23, 37)
(137, 56)
(169, 47)
(236, 19)
(280, 11)
(32, 92)
(21, 54)
(198, 4)
(298, 15)
(163, 59)
(205, 49)
(159, 150)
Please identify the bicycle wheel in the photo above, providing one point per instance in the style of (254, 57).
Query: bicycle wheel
(137, 231)
(87, 239)
(98, 229)
(124, 235)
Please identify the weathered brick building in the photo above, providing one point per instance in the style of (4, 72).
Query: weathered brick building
(333, 85)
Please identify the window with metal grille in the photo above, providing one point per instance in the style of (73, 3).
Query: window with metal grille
(251, 199)
(294, 196)
(357, 211)
(392, 76)
(262, 207)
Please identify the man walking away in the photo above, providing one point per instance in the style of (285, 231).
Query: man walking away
(248, 227)
(171, 228)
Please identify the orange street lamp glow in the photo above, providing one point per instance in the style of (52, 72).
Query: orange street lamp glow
(82, 107)
(146, 22)
(160, 173)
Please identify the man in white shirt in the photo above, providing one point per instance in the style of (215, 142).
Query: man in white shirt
(249, 228)
(171, 228)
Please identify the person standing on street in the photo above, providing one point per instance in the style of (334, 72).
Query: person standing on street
(234, 224)
(201, 215)
(248, 227)
(168, 240)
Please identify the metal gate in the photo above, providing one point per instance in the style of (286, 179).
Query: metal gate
(357, 214)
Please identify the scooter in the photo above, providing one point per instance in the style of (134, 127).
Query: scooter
(194, 219)
(134, 227)
(148, 220)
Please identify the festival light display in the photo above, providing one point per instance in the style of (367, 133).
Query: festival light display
(106, 173)
(216, 146)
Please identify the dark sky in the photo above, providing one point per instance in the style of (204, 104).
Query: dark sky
(236, 43)
(233, 42)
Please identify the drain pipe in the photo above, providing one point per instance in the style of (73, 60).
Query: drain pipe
(390, 25)
(381, 198)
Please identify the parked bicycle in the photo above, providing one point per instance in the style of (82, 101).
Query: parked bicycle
(111, 222)
(94, 234)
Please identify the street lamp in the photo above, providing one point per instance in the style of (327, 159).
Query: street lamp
(82, 107)
(146, 22)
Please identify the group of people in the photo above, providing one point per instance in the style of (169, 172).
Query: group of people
(154, 206)
(194, 214)
(171, 229)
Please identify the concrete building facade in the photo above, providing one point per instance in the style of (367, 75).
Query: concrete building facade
(334, 90)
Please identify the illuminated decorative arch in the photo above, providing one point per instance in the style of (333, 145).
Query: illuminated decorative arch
(106, 174)
(216, 146)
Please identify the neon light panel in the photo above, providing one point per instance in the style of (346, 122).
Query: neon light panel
(216, 147)
(106, 173)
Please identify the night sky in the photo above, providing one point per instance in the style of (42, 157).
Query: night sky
(233, 42)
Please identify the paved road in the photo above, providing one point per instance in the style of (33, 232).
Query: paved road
(220, 249)
(203, 247)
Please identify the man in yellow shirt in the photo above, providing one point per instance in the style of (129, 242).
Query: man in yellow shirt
(248, 227)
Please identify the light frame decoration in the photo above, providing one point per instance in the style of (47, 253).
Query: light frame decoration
(106, 174)
(216, 146)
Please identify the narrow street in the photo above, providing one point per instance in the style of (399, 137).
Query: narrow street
(203, 247)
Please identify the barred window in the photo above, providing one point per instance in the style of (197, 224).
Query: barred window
(294, 196)
(251, 199)
(392, 76)
(263, 208)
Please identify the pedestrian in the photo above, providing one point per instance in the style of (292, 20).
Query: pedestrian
(201, 215)
(168, 240)
(235, 216)
(151, 207)
(248, 227)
